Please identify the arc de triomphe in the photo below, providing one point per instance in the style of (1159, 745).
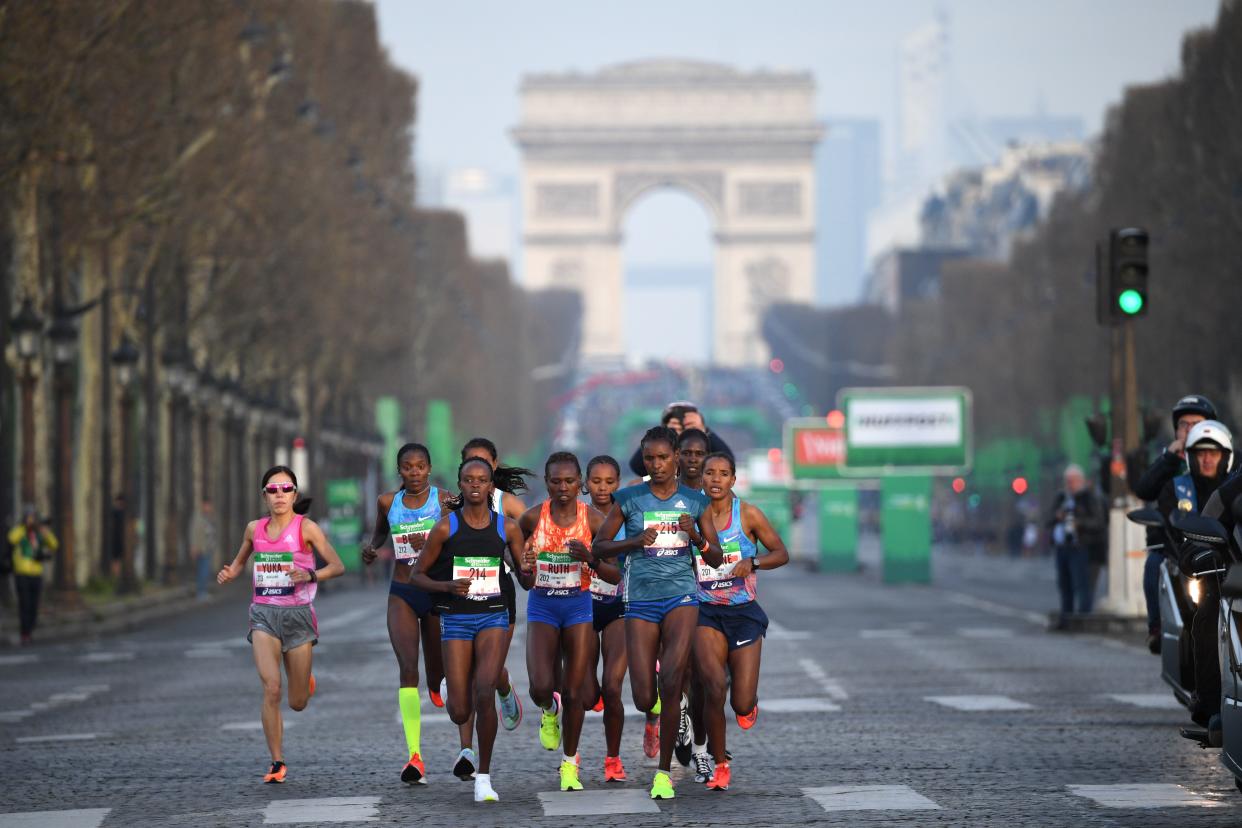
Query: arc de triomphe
(741, 143)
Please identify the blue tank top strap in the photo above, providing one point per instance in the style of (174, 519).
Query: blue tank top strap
(500, 524)
(452, 523)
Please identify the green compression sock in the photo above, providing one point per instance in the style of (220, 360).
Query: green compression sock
(411, 716)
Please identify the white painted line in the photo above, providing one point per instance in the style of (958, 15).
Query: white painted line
(1143, 795)
(13, 660)
(779, 632)
(352, 617)
(796, 706)
(994, 608)
(870, 798)
(40, 706)
(82, 818)
(103, 658)
(1151, 701)
(975, 704)
(60, 737)
(816, 673)
(985, 632)
(884, 633)
(257, 725)
(15, 715)
(328, 809)
(60, 698)
(596, 803)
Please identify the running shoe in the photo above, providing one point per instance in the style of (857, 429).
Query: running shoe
(662, 786)
(702, 767)
(651, 739)
(464, 768)
(414, 773)
(655, 711)
(748, 721)
(614, 771)
(569, 776)
(276, 774)
(510, 709)
(311, 684)
(437, 696)
(685, 734)
(483, 791)
(720, 779)
(598, 707)
(550, 725)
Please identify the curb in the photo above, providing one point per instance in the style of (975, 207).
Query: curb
(112, 617)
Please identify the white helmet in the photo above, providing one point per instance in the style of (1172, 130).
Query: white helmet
(1212, 433)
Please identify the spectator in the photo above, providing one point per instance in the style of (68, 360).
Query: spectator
(32, 543)
(1078, 523)
(204, 543)
(678, 416)
(116, 540)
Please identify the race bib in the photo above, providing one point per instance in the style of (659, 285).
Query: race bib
(671, 542)
(271, 573)
(602, 588)
(557, 570)
(404, 533)
(483, 573)
(719, 577)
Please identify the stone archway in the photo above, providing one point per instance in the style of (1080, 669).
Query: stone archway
(740, 143)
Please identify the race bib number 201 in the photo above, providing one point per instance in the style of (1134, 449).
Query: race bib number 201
(483, 574)
(671, 542)
(719, 577)
(271, 573)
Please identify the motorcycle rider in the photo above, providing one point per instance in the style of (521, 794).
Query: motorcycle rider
(1209, 450)
(1187, 412)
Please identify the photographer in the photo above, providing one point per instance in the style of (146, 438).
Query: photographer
(678, 416)
(1078, 521)
(32, 543)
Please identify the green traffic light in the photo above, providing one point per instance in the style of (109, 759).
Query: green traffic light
(1130, 301)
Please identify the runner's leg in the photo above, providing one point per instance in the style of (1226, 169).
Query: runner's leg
(744, 666)
(575, 644)
(298, 670)
(266, 650)
(614, 676)
(676, 633)
(711, 650)
(403, 634)
(489, 655)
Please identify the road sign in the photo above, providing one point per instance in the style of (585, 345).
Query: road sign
(906, 431)
(813, 450)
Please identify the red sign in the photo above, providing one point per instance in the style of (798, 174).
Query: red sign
(819, 446)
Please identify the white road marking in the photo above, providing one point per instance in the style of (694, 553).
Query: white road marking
(1152, 701)
(974, 704)
(103, 658)
(596, 803)
(328, 809)
(816, 673)
(257, 725)
(994, 608)
(58, 698)
(797, 706)
(870, 798)
(81, 818)
(15, 715)
(12, 660)
(60, 737)
(887, 633)
(779, 632)
(1143, 795)
(985, 632)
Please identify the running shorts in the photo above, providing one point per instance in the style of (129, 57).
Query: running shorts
(293, 626)
(655, 609)
(559, 611)
(741, 624)
(415, 598)
(467, 626)
(606, 612)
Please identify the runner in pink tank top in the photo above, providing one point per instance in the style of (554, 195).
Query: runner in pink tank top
(283, 626)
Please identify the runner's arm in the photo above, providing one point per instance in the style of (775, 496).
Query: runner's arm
(232, 570)
(604, 547)
(430, 554)
(707, 528)
(513, 505)
(526, 525)
(380, 534)
(759, 529)
(333, 567)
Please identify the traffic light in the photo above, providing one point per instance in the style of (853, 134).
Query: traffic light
(1127, 273)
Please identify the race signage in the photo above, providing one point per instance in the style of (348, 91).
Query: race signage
(906, 431)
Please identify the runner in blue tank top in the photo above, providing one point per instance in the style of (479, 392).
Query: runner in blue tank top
(406, 516)
(662, 519)
(731, 623)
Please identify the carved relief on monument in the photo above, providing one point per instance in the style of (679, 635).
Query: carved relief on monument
(567, 200)
(708, 185)
(769, 198)
(566, 273)
(767, 281)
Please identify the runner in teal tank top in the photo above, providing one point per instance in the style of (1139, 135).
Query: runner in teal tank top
(661, 519)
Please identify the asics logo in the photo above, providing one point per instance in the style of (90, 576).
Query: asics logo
(740, 643)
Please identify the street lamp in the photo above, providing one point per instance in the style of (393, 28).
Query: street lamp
(64, 338)
(125, 364)
(27, 327)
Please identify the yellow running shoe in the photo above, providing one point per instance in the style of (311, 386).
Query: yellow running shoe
(569, 776)
(662, 786)
(550, 725)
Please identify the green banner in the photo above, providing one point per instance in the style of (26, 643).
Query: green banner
(905, 529)
(906, 430)
(388, 423)
(838, 528)
(773, 501)
(345, 520)
(440, 441)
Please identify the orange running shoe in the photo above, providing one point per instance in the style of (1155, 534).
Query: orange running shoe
(437, 695)
(311, 684)
(614, 771)
(748, 721)
(720, 779)
(414, 773)
(651, 739)
(599, 704)
(276, 774)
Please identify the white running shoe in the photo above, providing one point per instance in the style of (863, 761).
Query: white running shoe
(702, 767)
(483, 788)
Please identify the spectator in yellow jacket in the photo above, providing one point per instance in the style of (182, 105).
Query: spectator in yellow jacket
(32, 543)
